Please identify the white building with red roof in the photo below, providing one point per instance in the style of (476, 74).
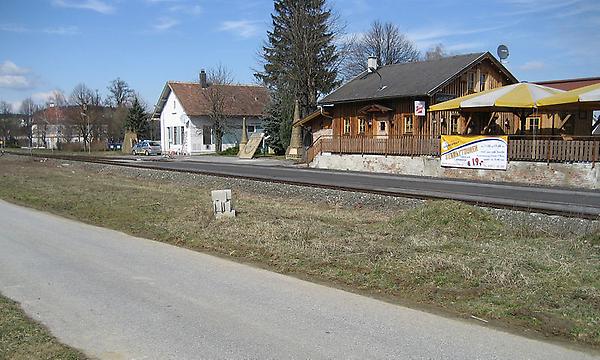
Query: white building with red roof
(184, 110)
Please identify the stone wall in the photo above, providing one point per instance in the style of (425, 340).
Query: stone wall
(553, 174)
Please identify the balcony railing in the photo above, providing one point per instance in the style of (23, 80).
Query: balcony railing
(520, 148)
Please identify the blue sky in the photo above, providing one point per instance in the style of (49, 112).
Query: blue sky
(56, 44)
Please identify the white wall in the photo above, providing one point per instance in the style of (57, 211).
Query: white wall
(583, 175)
(172, 115)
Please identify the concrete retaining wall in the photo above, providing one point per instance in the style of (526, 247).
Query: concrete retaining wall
(553, 174)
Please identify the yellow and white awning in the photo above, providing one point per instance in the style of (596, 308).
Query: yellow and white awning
(587, 95)
(519, 96)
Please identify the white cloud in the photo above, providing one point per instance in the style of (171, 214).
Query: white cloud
(10, 68)
(532, 65)
(165, 23)
(62, 30)
(13, 28)
(94, 5)
(13, 76)
(186, 9)
(243, 28)
(44, 96)
(15, 82)
(56, 30)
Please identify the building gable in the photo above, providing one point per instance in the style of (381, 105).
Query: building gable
(416, 79)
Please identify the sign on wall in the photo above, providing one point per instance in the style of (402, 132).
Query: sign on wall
(419, 108)
(475, 152)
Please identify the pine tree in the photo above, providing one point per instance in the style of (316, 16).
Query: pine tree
(300, 61)
(137, 119)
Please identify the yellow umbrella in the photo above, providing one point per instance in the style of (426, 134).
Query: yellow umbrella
(587, 95)
(515, 96)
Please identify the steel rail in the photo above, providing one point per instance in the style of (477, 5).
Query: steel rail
(547, 208)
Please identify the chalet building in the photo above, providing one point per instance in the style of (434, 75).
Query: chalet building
(184, 110)
(381, 102)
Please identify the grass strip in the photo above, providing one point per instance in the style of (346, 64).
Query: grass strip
(443, 254)
(23, 338)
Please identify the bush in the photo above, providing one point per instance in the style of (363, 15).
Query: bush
(74, 146)
(232, 151)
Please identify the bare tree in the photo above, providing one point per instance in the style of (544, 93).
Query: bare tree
(218, 98)
(436, 52)
(28, 109)
(119, 93)
(57, 99)
(7, 122)
(385, 42)
(82, 98)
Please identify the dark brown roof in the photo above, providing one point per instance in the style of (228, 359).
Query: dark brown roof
(570, 84)
(240, 100)
(414, 79)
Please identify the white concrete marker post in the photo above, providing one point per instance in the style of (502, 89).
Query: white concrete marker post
(222, 203)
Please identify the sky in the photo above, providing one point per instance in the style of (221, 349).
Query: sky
(48, 45)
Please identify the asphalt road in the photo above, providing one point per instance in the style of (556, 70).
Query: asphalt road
(573, 201)
(120, 297)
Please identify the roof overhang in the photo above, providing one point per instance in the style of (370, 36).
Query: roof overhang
(311, 117)
(483, 56)
(162, 100)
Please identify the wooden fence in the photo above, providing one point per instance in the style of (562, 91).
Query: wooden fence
(585, 149)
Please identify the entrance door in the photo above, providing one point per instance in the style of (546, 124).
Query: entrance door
(382, 127)
(207, 137)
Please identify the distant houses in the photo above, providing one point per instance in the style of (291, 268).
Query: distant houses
(187, 112)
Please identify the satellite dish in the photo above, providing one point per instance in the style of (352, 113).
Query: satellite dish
(503, 52)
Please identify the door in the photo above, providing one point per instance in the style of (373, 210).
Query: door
(207, 136)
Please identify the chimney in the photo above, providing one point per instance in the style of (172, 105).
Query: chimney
(203, 82)
(372, 64)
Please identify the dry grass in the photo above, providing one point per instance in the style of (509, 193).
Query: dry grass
(23, 338)
(450, 255)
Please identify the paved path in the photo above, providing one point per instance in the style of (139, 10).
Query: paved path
(573, 201)
(120, 297)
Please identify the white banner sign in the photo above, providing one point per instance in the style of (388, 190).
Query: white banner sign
(475, 152)
(419, 108)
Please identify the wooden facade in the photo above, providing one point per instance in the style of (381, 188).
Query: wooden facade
(394, 117)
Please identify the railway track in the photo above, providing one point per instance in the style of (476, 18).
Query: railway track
(588, 210)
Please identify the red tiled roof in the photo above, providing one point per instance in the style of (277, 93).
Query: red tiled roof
(240, 100)
(570, 84)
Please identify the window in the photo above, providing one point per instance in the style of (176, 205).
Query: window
(182, 134)
(408, 124)
(362, 124)
(454, 124)
(170, 135)
(482, 79)
(175, 136)
(174, 105)
(346, 125)
(251, 128)
(533, 124)
(470, 81)
(382, 125)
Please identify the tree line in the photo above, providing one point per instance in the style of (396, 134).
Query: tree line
(84, 115)
(307, 55)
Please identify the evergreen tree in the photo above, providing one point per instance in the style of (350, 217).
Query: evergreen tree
(137, 119)
(300, 61)
(278, 123)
